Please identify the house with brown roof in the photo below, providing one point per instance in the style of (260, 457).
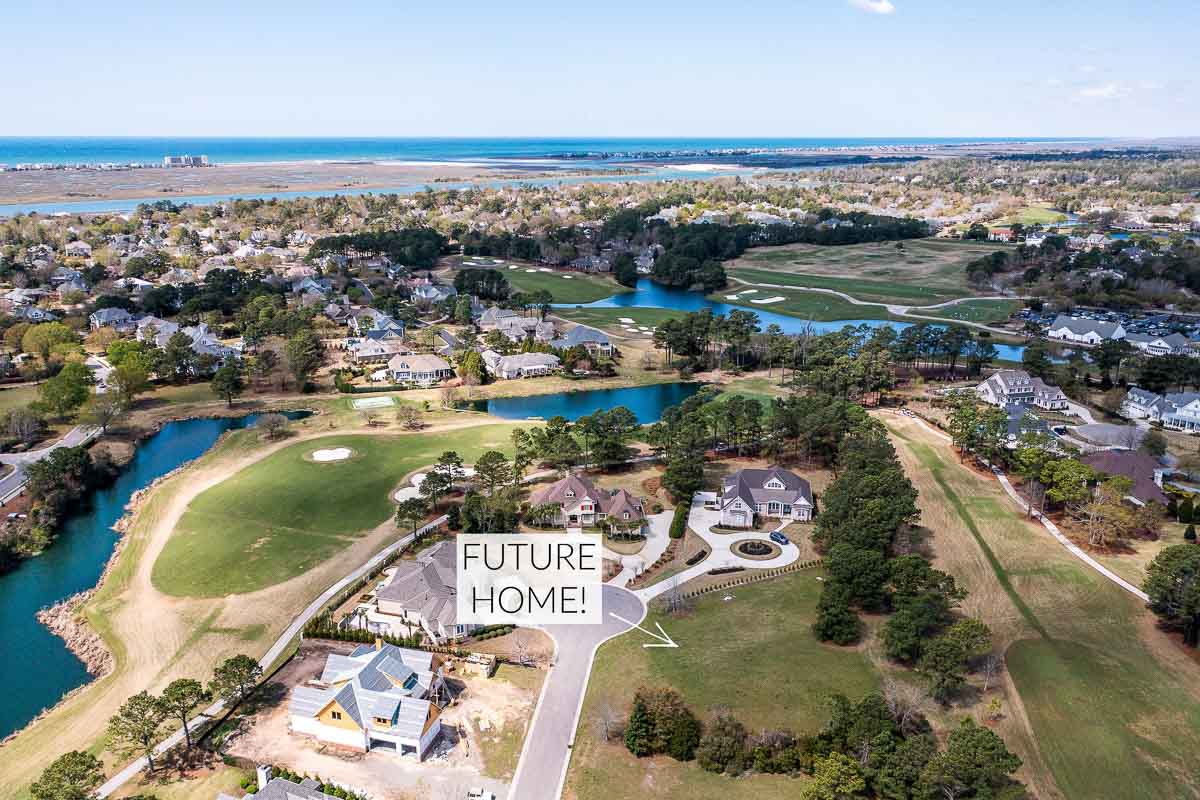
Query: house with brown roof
(581, 503)
(1145, 472)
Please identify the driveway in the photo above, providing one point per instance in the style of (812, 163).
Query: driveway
(13, 483)
(542, 769)
(658, 537)
(702, 520)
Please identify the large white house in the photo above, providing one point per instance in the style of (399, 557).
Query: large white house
(1172, 344)
(520, 365)
(421, 369)
(372, 699)
(1013, 386)
(1179, 411)
(772, 492)
(1085, 331)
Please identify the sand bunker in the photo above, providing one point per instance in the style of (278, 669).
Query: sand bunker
(767, 300)
(332, 454)
(626, 320)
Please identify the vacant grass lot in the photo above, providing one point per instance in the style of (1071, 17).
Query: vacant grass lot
(1107, 705)
(285, 514)
(754, 654)
(930, 269)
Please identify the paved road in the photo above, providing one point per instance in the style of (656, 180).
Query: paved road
(267, 661)
(13, 483)
(542, 769)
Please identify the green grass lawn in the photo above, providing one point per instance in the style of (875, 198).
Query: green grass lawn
(608, 319)
(1110, 721)
(1111, 701)
(985, 311)
(567, 287)
(858, 288)
(19, 397)
(922, 271)
(285, 514)
(816, 306)
(754, 654)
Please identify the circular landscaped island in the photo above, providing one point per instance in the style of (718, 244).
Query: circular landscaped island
(756, 549)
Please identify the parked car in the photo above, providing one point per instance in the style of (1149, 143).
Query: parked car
(778, 538)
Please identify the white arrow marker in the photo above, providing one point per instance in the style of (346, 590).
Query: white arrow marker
(663, 639)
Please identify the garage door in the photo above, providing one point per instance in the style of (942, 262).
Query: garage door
(739, 518)
(380, 744)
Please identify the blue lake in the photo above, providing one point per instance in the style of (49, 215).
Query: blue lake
(654, 295)
(646, 402)
(36, 660)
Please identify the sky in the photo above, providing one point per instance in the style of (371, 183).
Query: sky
(753, 68)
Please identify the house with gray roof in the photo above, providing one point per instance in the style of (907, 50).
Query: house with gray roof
(1172, 344)
(520, 365)
(1016, 387)
(593, 340)
(376, 698)
(271, 788)
(421, 597)
(1084, 331)
(1178, 410)
(772, 492)
(118, 319)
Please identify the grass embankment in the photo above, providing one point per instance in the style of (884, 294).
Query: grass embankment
(286, 513)
(1105, 704)
(500, 748)
(754, 654)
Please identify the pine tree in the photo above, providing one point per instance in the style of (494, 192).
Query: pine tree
(640, 729)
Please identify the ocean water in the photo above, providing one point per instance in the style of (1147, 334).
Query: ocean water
(234, 150)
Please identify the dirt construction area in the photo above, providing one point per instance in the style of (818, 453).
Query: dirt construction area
(454, 764)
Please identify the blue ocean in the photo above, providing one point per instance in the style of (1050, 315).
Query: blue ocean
(101, 150)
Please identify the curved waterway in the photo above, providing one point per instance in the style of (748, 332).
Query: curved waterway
(36, 667)
(649, 294)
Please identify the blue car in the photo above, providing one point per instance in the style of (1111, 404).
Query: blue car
(780, 539)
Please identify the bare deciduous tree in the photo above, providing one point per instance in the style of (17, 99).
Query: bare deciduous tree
(991, 668)
(607, 721)
(905, 702)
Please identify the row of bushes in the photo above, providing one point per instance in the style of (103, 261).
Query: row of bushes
(323, 627)
(492, 631)
(679, 521)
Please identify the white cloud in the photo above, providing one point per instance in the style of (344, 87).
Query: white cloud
(1104, 91)
(874, 6)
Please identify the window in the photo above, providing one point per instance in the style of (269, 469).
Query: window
(626, 515)
(383, 721)
(570, 492)
(335, 715)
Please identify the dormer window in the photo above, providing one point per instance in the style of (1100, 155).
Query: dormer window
(570, 492)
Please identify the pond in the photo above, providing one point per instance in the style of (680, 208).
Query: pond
(649, 294)
(646, 402)
(36, 660)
